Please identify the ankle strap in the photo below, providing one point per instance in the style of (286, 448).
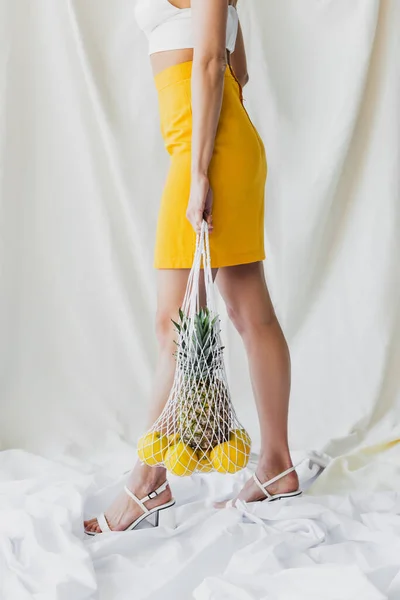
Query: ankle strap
(149, 496)
(262, 486)
(156, 492)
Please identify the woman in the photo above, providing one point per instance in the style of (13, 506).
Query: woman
(218, 172)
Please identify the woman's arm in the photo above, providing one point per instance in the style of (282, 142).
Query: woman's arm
(238, 59)
(208, 71)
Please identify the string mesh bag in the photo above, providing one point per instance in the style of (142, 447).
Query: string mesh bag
(198, 430)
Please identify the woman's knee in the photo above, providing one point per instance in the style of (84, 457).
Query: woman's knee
(246, 321)
(165, 330)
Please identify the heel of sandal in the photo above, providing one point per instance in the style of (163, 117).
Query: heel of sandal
(166, 517)
(318, 458)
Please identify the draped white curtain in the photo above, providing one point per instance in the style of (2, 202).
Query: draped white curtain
(82, 170)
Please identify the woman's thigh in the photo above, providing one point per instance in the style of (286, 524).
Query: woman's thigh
(245, 292)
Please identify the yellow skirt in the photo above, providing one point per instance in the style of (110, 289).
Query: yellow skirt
(237, 173)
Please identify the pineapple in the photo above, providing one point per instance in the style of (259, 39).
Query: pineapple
(203, 404)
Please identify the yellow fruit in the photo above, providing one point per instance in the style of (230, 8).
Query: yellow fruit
(242, 434)
(204, 465)
(230, 457)
(151, 448)
(173, 439)
(180, 459)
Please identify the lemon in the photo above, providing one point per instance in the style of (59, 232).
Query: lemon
(242, 434)
(230, 456)
(180, 459)
(173, 438)
(151, 448)
(205, 465)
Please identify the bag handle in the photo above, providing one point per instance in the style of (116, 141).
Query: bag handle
(191, 301)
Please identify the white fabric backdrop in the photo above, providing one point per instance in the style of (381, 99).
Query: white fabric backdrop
(82, 169)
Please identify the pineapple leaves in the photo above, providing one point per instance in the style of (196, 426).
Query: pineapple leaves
(177, 326)
(198, 349)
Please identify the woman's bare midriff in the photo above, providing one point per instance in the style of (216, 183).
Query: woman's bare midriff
(168, 58)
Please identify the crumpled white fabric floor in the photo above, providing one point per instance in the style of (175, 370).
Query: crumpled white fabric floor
(316, 547)
(82, 167)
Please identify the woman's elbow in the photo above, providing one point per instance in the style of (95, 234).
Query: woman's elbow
(214, 63)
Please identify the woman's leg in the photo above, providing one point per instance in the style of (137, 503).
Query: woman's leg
(249, 306)
(171, 286)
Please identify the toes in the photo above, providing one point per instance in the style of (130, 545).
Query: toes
(227, 504)
(92, 526)
(88, 523)
(221, 504)
(96, 527)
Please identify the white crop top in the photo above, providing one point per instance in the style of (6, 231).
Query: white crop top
(170, 28)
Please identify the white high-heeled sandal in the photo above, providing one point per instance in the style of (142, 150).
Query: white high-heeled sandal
(271, 497)
(314, 457)
(159, 516)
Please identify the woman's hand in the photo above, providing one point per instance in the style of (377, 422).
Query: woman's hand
(200, 203)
